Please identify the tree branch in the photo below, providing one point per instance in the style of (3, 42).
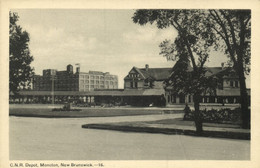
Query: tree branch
(216, 17)
(232, 30)
(248, 19)
(183, 35)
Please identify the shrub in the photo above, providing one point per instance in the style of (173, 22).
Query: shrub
(217, 116)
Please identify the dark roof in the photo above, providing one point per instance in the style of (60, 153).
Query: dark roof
(213, 71)
(210, 70)
(157, 73)
(161, 74)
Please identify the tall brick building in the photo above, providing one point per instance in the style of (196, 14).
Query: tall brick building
(67, 80)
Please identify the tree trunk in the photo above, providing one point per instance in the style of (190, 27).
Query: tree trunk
(197, 115)
(244, 99)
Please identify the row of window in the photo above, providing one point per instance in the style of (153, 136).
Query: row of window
(97, 86)
(234, 84)
(98, 77)
(98, 82)
(133, 84)
(134, 75)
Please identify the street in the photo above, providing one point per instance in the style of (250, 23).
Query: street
(64, 139)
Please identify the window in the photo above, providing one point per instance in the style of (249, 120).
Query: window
(135, 84)
(145, 83)
(236, 83)
(231, 83)
(131, 84)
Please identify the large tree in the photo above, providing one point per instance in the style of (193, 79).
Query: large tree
(20, 58)
(191, 46)
(233, 28)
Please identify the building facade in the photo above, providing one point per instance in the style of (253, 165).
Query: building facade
(142, 87)
(53, 80)
(227, 91)
(146, 78)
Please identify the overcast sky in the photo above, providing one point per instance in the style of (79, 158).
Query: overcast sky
(100, 40)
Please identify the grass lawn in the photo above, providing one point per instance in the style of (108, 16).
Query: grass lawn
(86, 112)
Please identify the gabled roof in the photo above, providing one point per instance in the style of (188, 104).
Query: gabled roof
(209, 70)
(158, 74)
(135, 69)
(213, 70)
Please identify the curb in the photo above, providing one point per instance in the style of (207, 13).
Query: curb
(169, 131)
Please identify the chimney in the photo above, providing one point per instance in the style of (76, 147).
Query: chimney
(222, 65)
(146, 67)
(78, 70)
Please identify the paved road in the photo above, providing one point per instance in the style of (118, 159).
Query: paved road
(64, 139)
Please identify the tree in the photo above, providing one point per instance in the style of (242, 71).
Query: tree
(191, 46)
(233, 28)
(20, 58)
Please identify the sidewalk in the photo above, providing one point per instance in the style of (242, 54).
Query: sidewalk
(176, 126)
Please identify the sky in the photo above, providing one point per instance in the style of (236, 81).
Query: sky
(104, 40)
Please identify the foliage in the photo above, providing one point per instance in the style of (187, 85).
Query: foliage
(192, 46)
(233, 30)
(20, 58)
(217, 116)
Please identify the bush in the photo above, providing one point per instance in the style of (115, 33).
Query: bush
(62, 109)
(217, 116)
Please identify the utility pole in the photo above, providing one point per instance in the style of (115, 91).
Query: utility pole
(52, 89)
